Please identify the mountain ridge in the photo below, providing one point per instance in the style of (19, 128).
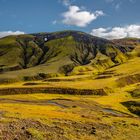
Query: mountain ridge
(61, 52)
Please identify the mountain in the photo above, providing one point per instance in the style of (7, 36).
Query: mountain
(69, 85)
(67, 52)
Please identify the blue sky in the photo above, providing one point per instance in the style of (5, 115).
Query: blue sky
(99, 17)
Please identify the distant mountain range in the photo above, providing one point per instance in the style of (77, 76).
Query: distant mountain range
(66, 53)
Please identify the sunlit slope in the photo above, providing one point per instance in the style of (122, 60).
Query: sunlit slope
(98, 99)
(58, 53)
(122, 75)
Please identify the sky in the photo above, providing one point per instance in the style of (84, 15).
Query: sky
(109, 19)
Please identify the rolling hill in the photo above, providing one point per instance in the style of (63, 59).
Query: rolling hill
(69, 85)
(35, 56)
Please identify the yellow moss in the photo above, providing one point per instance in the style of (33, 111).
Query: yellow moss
(36, 134)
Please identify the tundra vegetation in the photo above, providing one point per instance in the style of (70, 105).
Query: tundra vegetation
(69, 86)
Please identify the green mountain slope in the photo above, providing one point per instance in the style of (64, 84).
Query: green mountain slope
(60, 53)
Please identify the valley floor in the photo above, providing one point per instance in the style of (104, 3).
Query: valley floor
(109, 111)
(66, 117)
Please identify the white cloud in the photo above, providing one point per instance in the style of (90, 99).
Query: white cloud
(118, 32)
(6, 33)
(78, 17)
(65, 2)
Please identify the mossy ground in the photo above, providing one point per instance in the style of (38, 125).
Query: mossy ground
(66, 117)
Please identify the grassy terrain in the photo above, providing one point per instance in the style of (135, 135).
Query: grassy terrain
(73, 87)
(48, 116)
(30, 57)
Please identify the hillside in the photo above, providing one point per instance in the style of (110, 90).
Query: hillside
(69, 86)
(35, 56)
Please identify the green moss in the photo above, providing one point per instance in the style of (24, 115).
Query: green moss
(38, 135)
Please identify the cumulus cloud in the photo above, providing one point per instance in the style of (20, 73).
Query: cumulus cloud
(118, 32)
(79, 17)
(6, 33)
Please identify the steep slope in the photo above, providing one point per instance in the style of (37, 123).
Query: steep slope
(59, 52)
